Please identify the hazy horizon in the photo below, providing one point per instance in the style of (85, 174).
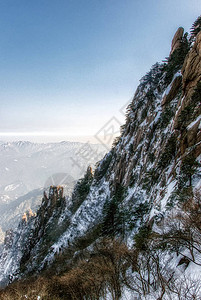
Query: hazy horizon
(51, 139)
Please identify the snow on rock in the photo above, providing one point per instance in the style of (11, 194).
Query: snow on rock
(194, 122)
(145, 164)
(85, 218)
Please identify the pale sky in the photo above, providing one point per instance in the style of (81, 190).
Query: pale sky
(68, 66)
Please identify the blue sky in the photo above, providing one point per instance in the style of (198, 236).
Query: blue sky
(68, 66)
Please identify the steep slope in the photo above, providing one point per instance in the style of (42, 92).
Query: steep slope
(151, 172)
(27, 168)
(11, 213)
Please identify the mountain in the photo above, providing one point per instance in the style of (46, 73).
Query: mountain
(26, 166)
(131, 229)
(11, 213)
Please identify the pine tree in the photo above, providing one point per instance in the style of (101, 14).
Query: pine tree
(83, 185)
(188, 168)
(196, 27)
(114, 215)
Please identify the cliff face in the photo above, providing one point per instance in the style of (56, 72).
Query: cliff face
(33, 234)
(189, 105)
(152, 167)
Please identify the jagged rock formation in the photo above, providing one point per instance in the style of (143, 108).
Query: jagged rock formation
(189, 107)
(151, 169)
(191, 70)
(34, 229)
(177, 39)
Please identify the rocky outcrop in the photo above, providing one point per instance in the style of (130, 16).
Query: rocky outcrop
(187, 118)
(194, 134)
(172, 90)
(28, 215)
(176, 41)
(191, 70)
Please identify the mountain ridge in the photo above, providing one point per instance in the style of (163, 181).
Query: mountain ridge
(150, 174)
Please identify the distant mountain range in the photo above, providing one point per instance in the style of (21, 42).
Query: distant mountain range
(27, 168)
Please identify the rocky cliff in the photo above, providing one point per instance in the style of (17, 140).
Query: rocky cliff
(152, 170)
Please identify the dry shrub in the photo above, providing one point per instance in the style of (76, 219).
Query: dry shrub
(29, 289)
(110, 266)
(94, 278)
(101, 273)
(182, 230)
(185, 288)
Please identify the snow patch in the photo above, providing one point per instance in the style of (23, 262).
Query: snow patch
(194, 122)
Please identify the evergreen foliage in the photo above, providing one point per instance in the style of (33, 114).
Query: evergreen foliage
(144, 114)
(192, 110)
(141, 210)
(136, 215)
(185, 116)
(175, 62)
(103, 166)
(188, 168)
(116, 141)
(130, 149)
(150, 179)
(196, 27)
(168, 152)
(151, 157)
(150, 95)
(114, 214)
(133, 178)
(142, 237)
(83, 185)
(166, 116)
(153, 77)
